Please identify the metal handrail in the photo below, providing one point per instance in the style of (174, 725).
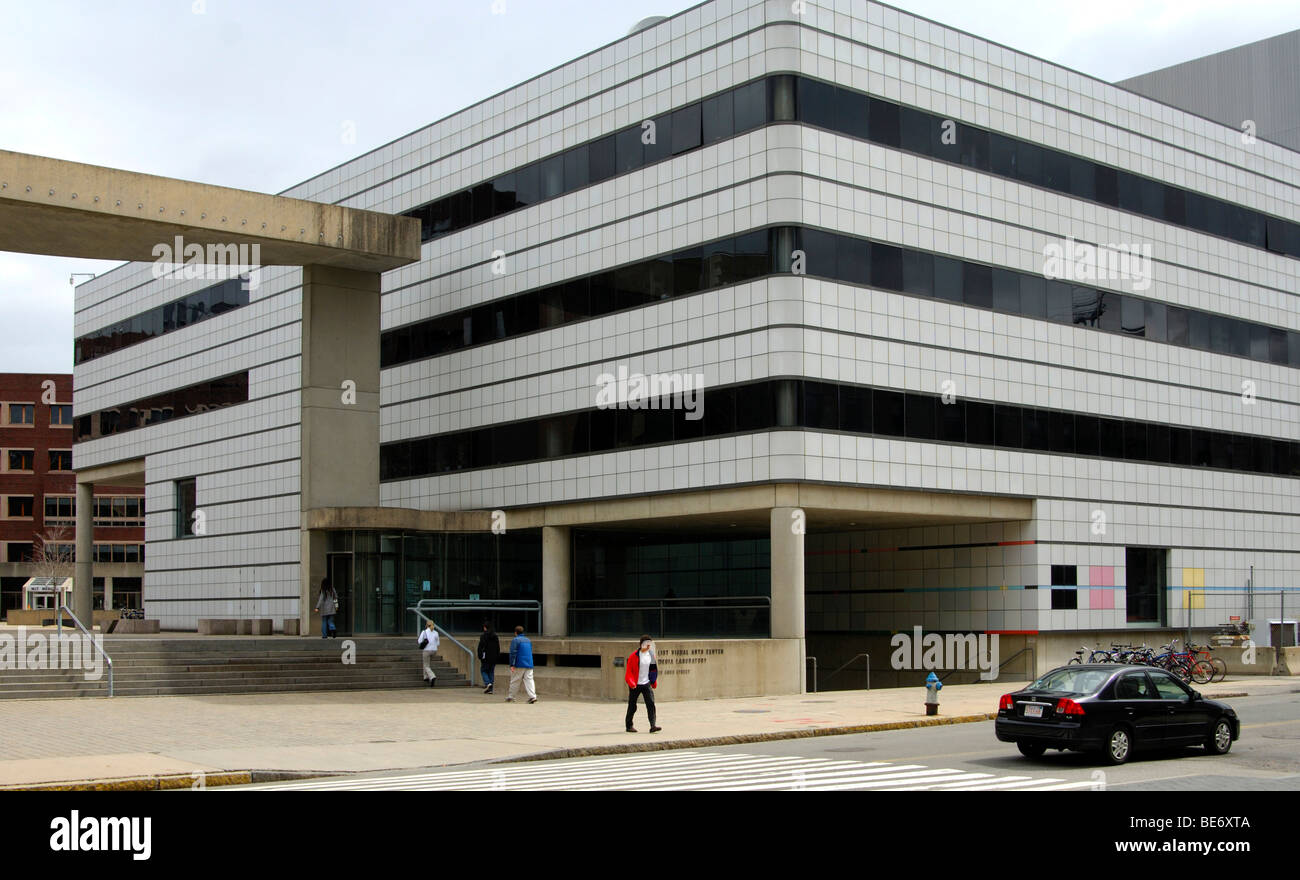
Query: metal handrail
(845, 666)
(473, 659)
(98, 647)
(1026, 649)
(462, 605)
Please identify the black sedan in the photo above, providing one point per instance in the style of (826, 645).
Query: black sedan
(1113, 709)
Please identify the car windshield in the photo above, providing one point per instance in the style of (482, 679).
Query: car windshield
(1072, 680)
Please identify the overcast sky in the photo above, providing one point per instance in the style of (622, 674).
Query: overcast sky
(255, 94)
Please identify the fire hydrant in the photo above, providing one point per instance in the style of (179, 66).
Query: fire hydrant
(932, 687)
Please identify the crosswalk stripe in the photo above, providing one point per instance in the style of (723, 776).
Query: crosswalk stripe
(541, 768)
(689, 770)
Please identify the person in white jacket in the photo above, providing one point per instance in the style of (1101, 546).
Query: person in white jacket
(428, 641)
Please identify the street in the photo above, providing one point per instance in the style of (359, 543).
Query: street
(960, 757)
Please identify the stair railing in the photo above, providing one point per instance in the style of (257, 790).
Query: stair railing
(846, 665)
(89, 638)
(424, 618)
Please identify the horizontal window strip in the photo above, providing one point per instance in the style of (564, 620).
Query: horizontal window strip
(836, 257)
(791, 98)
(165, 407)
(176, 315)
(795, 404)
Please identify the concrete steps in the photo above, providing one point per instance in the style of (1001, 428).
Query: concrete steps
(152, 666)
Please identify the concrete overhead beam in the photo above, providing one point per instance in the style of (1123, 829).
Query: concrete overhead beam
(68, 209)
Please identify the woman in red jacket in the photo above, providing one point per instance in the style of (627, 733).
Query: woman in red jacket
(642, 677)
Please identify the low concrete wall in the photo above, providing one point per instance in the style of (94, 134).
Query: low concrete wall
(689, 669)
(39, 617)
(126, 627)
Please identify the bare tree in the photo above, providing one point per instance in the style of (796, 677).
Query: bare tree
(54, 554)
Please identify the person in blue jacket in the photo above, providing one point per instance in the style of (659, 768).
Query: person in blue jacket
(521, 666)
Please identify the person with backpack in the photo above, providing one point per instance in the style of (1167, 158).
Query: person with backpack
(641, 678)
(489, 651)
(428, 641)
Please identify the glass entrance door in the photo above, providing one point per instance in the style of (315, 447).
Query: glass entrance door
(376, 599)
(339, 566)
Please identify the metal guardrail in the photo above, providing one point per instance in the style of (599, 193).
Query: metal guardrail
(473, 659)
(1027, 649)
(89, 638)
(664, 607)
(846, 666)
(466, 606)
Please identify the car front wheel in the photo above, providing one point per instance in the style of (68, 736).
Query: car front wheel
(1119, 745)
(1031, 750)
(1220, 739)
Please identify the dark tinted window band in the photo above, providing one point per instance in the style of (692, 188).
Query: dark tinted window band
(207, 303)
(164, 407)
(787, 98)
(823, 406)
(843, 258)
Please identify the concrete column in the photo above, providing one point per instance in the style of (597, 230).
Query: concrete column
(83, 584)
(108, 593)
(787, 580)
(557, 578)
(340, 411)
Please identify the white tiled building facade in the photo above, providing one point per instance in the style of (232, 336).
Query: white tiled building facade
(1215, 523)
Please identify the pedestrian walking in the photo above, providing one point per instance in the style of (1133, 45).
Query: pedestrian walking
(328, 605)
(642, 677)
(428, 641)
(489, 651)
(521, 666)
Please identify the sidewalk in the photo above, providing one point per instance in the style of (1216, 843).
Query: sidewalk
(152, 742)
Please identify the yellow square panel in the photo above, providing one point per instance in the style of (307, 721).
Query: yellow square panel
(1194, 578)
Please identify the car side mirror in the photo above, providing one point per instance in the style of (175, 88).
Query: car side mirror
(1196, 695)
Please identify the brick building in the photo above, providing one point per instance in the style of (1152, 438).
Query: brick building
(38, 494)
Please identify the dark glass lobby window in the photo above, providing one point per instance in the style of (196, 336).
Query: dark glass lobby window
(686, 129)
(186, 505)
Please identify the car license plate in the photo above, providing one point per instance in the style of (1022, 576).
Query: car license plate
(1034, 711)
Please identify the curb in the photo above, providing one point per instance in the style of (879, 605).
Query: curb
(742, 739)
(173, 782)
